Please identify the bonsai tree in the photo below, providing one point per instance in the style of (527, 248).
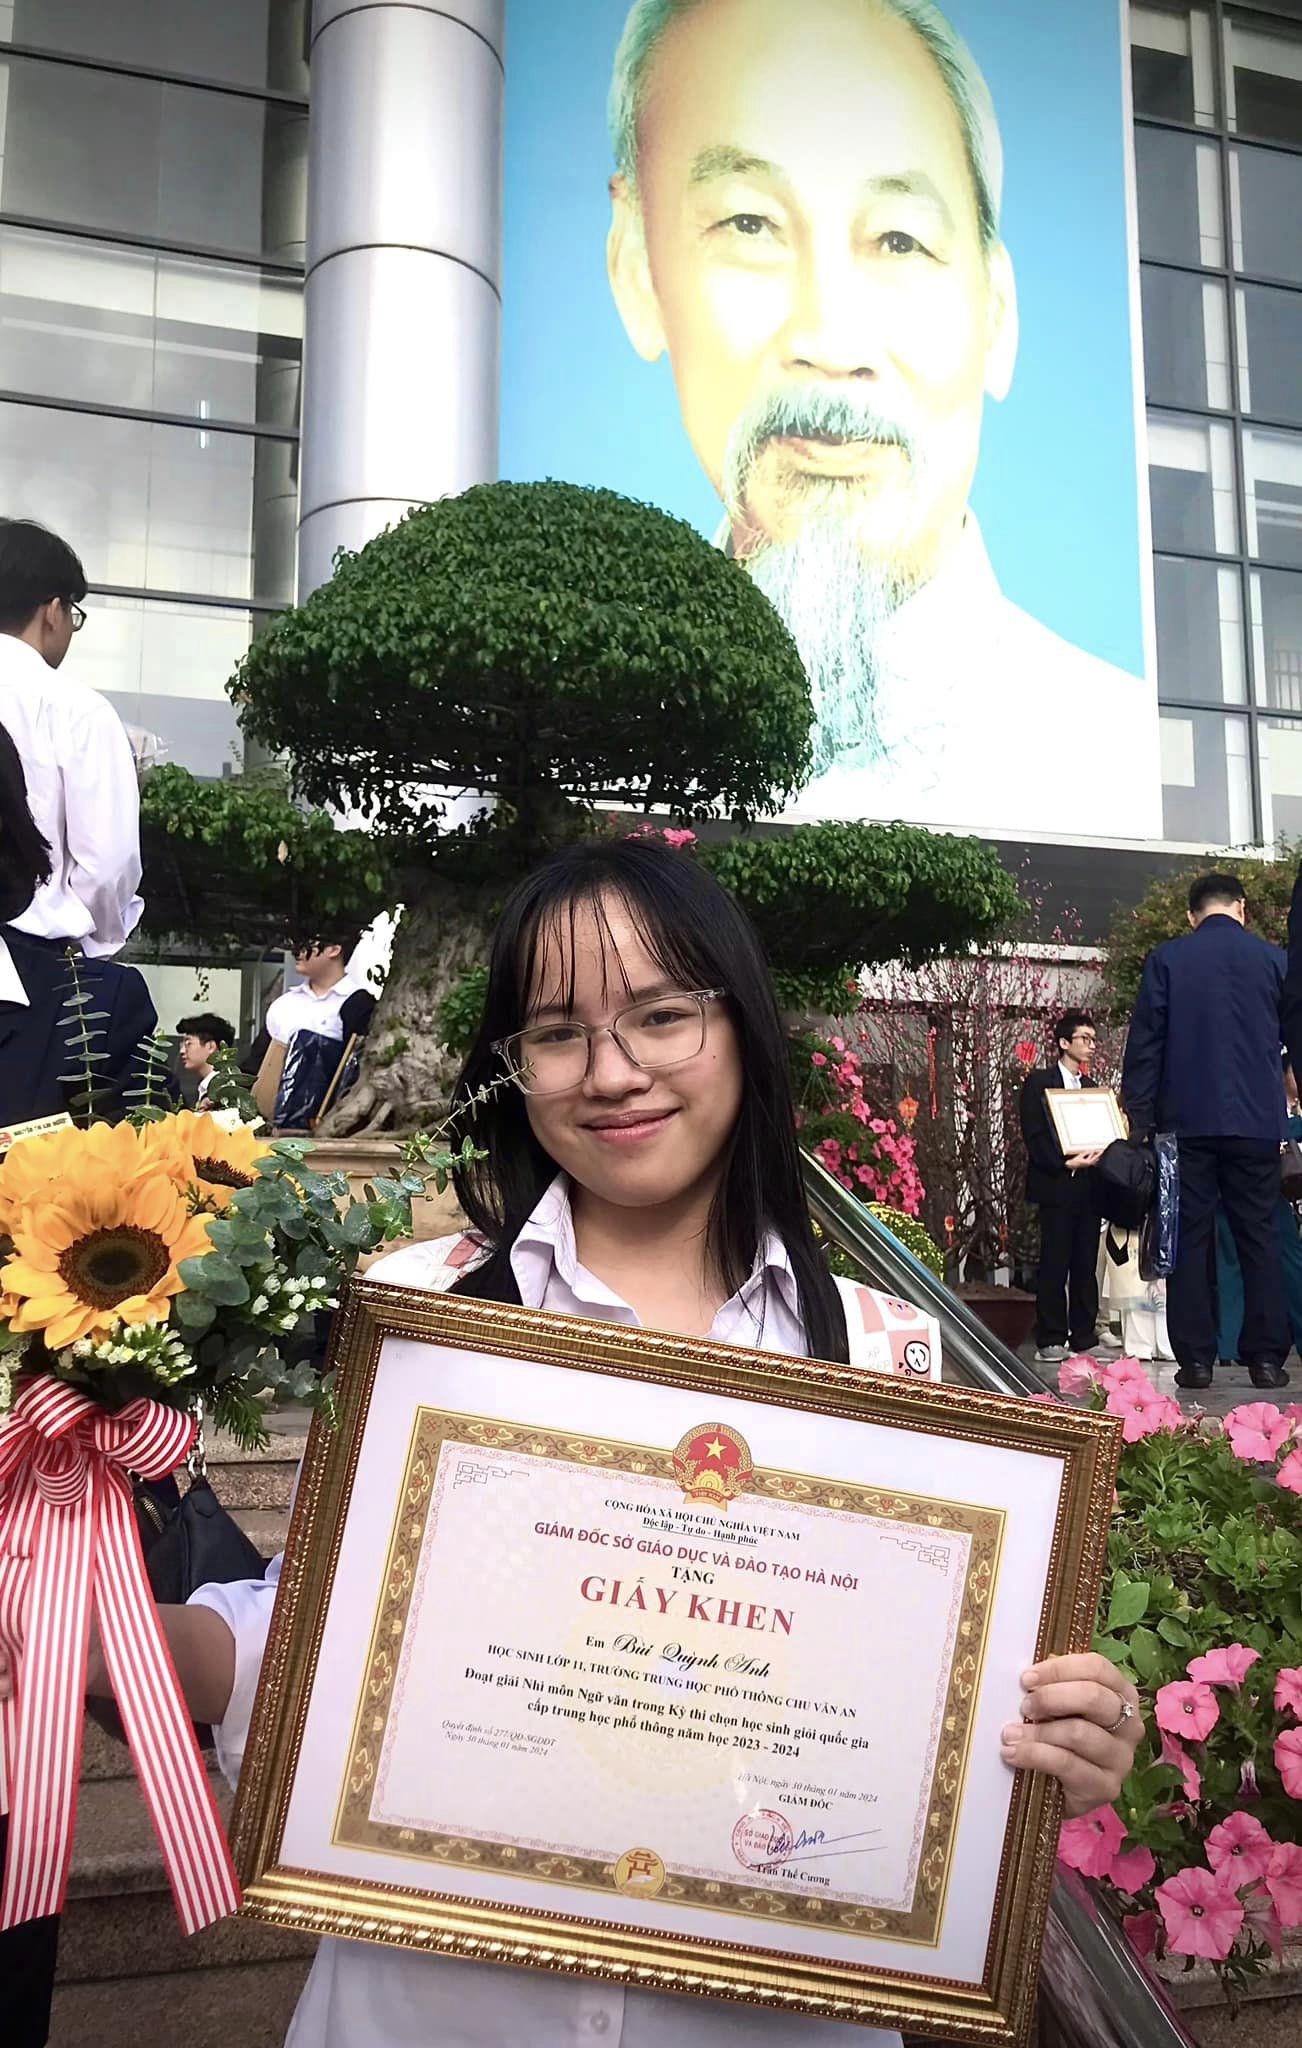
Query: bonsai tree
(549, 651)
(1162, 913)
(232, 867)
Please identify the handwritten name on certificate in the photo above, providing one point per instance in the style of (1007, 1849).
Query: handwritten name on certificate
(668, 1671)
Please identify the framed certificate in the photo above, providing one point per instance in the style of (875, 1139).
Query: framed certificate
(1085, 1119)
(669, 1662)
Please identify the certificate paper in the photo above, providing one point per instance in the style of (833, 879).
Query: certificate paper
(601, 1663)
(670, 1662)
(1085, 1119)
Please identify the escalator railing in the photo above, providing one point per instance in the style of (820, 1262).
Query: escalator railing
(1094, 1991)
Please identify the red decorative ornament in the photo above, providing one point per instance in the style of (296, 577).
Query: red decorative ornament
(1025, 1052)
(908, 1110)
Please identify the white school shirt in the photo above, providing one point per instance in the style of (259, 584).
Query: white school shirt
(364, 1995)
(302, 1009)
(1069, 1080)
(84, 794)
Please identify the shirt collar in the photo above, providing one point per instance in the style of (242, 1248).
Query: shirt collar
(339, 990)
(20, 651)
(546, 1245)
(11, 982)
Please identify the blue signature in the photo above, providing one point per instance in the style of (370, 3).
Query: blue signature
(825, 1845)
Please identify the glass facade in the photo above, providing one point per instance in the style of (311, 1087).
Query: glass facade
(153, 178)
(1218, 152)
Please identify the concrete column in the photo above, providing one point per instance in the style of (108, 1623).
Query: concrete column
(403, 265)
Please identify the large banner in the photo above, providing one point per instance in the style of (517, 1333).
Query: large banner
(848, 284)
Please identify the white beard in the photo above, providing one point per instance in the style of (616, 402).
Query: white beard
(836, 606)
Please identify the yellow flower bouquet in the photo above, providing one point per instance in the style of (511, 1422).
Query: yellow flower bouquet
(145, 1267)
(189, 1258)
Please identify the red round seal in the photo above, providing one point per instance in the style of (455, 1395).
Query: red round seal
(761, 1837)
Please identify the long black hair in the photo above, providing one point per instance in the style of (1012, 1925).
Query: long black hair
(700, 938)
(24, 855)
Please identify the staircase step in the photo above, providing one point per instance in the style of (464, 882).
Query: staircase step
(259, 1480)
(266, 1528)
(119, 1909)
(103, 1756)
(246, 2005)
(113, 1936)
(116, 1849)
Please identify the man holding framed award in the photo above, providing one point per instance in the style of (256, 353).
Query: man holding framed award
(617, 1636)
(1067, 1121)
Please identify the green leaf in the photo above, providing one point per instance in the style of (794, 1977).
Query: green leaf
(1172, 1631)
(223, 1282)
(194, 1312)
(356, 1226)
(1129, 1603)
(1146, 1653)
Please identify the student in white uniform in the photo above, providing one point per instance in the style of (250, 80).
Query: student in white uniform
(644, 1170)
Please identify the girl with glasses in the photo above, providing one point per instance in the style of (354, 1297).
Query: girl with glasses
(641, 1167)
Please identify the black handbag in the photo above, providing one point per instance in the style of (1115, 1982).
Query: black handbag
(189, 1540)
(195, 1543)
(1125, 1182)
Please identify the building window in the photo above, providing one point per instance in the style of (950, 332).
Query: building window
(1218, 154)
(153, 198)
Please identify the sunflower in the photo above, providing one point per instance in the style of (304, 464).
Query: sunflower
(36, 1169)
(220, 1160)
(97, 1251)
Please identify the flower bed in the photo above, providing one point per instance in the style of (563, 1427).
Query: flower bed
(869, 1154)
(1204, 1612)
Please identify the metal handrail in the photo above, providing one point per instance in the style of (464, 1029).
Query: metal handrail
(1094, 1991)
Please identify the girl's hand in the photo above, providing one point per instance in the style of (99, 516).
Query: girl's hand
(1075, 1728)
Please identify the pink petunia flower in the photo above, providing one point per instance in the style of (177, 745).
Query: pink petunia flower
(1257, 1432)
(1174, 1752)
(1290, 1472)
(1224, 1667)
(1132, 1869)
(1241, 1848)
(1142, 1930)
(1126, 1372)
(1288, 1760)
(1288, 1691)
(1143, 1410)
(1187, 1709)
(1090, 1844)
(1261, 1919)
(1078, 1375)
(1283, 1881)
(1201, 1915)
(1248, 1786)
(818, 1059)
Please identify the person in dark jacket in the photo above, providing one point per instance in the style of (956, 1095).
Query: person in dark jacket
(1067, 1291)
(1203, 1060)
(36, 1052)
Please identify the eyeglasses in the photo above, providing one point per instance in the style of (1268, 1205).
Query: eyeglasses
(546, 1059)
(1085, 1037)
(76, 614)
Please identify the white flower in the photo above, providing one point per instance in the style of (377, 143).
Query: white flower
(260, 1305)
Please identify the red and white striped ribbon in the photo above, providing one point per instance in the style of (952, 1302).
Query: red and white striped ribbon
(68, 1543)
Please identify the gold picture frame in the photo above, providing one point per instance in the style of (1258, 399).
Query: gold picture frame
(1085, 1119)
(324, 1845)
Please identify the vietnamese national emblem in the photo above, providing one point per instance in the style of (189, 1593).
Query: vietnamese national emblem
(713, 1464)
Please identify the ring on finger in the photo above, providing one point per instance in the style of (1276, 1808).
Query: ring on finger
(1127, 1714)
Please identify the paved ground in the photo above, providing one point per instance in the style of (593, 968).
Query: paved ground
(1230, 1386)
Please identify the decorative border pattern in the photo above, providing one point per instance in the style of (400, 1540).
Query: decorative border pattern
(356, 1828)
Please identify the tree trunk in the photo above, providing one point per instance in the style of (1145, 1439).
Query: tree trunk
(407, 1072)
